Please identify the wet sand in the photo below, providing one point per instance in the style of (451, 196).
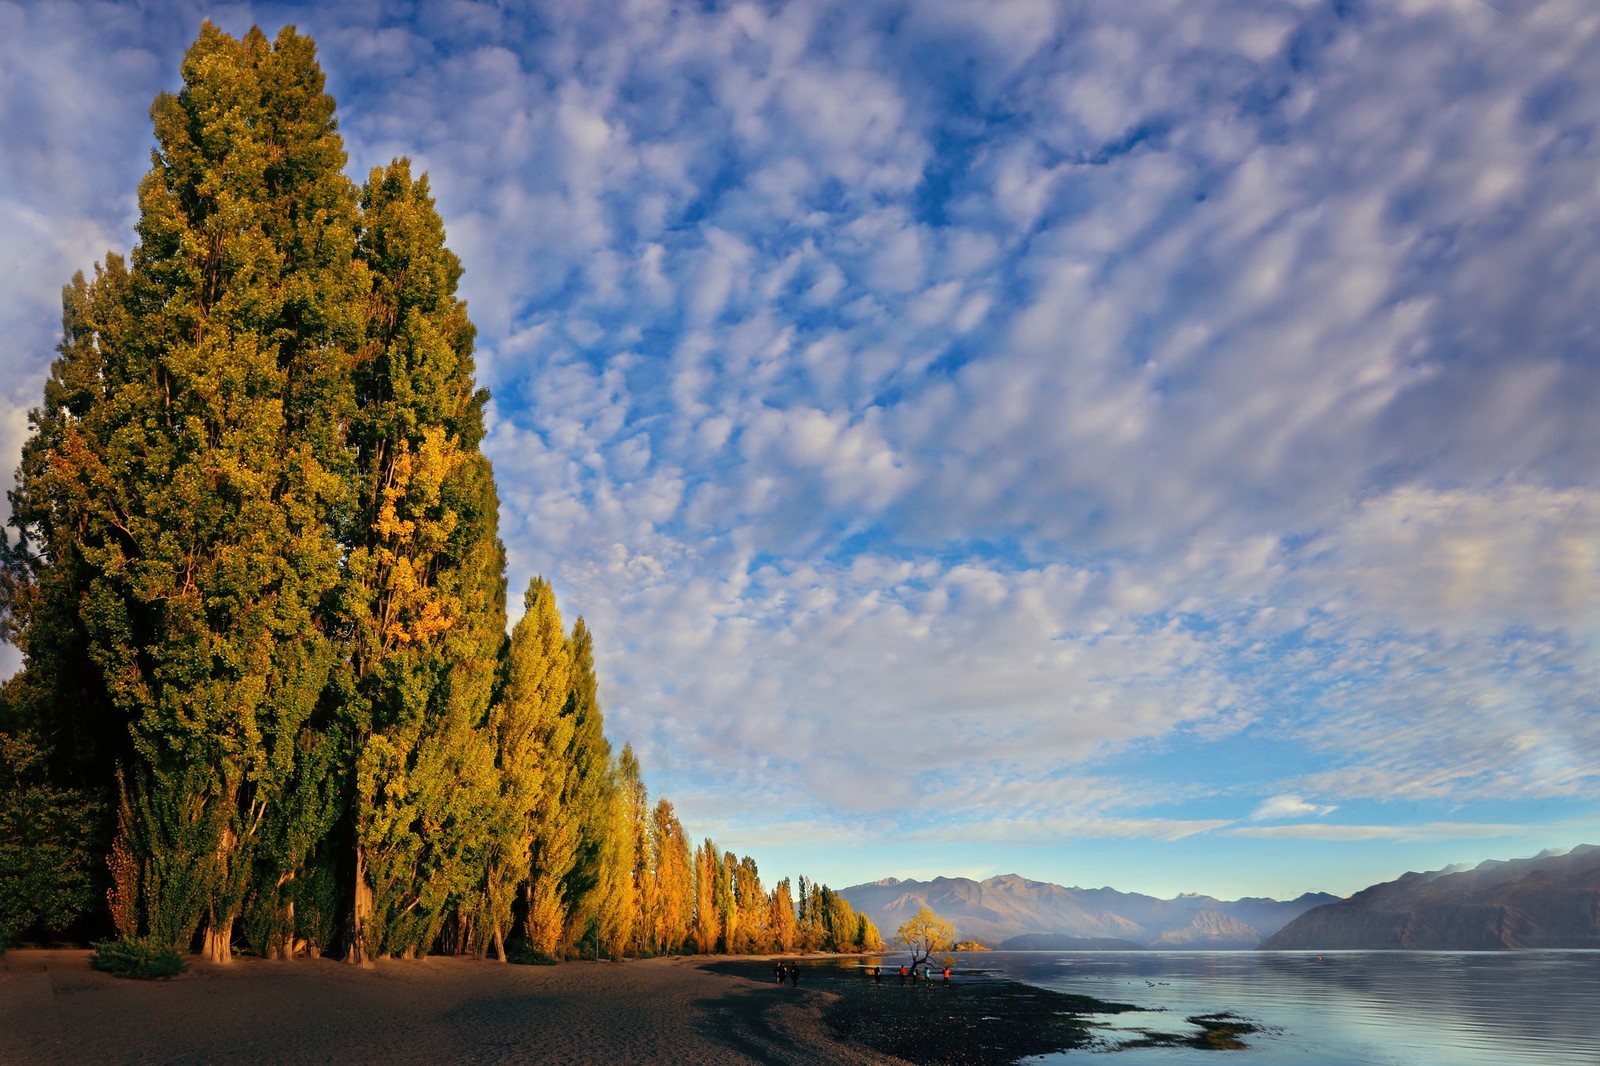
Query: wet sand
(55, 1009)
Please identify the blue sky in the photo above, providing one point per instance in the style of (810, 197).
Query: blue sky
(1140, 444)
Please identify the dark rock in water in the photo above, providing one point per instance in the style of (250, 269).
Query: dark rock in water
(1552, 901)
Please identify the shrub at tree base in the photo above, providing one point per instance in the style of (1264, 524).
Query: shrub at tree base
(142, 959)
(523, 953)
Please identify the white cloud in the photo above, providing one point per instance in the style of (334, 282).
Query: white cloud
(1285, 806)
(1399, 833)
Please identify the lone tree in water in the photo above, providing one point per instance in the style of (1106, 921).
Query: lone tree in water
(925, 933)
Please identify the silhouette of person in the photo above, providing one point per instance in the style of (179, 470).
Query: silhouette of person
(794, 975)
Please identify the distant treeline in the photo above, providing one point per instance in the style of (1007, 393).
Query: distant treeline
(267, 697)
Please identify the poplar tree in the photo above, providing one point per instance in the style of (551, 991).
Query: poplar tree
(723, 889)
(536, 691)
(672, 918)
(524, 721)
(203, 461)
(707, 919)
(783, 918)
(588, 792)
(60, 693)
(751, 903)
(423, 599)
(616, 895)
(643, 898)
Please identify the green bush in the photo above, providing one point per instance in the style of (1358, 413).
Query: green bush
(142, 959)
(519, 951)
(46, 852)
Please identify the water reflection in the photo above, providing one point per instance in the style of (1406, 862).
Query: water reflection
(1401, 1008)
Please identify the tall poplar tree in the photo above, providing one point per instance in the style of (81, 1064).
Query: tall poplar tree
(202, 480)
(60, 692)
(616, 897)
(588, 792)
(423, 595)
(782, 921)
(536, 691)
(672, 917)
(526, 724)
(636, 800)
(707, 919)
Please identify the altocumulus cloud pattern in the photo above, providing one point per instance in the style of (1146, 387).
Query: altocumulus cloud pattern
(1003, 432)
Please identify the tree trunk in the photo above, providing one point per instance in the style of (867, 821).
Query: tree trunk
(360, 913)
(219, 942)
(499, 945)
(283, 947)
(218, 946)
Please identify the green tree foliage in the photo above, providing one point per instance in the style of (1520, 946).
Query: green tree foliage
(45, 845)
(553, 828)
(190, 437)
(423, 596)
(588, 793)
(531, 740)
(259, 591)
(925, 933)
(616, 898)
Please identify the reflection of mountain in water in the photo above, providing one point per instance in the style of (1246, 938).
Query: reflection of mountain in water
(1532, 1008)
(1005, 907)
(1551, 901)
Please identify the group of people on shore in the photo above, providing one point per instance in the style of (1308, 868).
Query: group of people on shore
(785, 970)
(911, 972)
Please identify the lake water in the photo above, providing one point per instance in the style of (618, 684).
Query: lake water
(1528, 1008)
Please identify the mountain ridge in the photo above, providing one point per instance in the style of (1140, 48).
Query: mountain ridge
(1007, 906)
(1548, 901)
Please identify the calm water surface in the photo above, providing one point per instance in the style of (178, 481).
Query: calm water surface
(1532, 1008)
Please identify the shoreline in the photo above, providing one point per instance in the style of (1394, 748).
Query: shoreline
(55, 1009)
(977, 1017)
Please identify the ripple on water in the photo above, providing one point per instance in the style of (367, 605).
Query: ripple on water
(1532, 1008)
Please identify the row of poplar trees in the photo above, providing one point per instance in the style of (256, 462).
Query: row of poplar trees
(260, 594)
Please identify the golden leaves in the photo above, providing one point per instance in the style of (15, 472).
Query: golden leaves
(412, 527)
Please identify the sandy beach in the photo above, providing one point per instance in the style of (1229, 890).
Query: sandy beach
(55, 1009)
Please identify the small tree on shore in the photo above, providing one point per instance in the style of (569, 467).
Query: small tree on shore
(925, 933)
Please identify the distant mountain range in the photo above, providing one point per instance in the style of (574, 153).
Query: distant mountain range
(1015, 913)
(1549, 901)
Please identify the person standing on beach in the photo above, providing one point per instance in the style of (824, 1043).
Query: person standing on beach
(794, 975)
(781, 970)
(902, 973)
